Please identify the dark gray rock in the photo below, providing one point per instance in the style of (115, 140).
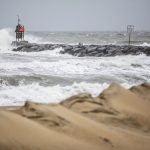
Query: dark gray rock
(102, 48)
(68, 48)
(19, 43)
(77, 50)
(91, 49)
(93, 53)
(81, 50)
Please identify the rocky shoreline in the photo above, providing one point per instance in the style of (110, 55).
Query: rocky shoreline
(81, 50)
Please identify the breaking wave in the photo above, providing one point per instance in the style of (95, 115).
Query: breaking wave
(49, 76)
(17, 95)
(145, 44)
(6, 37)
(12, 95)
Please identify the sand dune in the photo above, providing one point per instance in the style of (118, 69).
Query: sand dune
(118, 118)
(125, 100)
(19, 133)
(142, 90)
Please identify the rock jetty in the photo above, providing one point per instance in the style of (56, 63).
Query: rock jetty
(81, 50)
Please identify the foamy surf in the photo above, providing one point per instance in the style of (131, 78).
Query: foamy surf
(17, 95)
(145, 44)
(49, 76)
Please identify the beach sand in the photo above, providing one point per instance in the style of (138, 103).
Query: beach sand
(117, 119)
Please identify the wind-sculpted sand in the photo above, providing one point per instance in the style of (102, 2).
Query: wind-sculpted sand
(118, 119)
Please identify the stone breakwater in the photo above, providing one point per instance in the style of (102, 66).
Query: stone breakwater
(85, 50)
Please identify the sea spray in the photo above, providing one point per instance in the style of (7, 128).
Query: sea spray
(17, 95)
(49, 76)
(6, 37)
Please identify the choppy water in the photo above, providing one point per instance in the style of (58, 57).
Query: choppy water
(51, 77)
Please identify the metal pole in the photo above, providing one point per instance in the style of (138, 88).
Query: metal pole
(130, 29)
(18, 19)
(129, 38)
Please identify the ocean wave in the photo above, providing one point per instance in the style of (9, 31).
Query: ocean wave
(119, 68)
(33, 39)
(46, 53)
(43, 80)
(145, 44)
(11, 95)
(6, 37)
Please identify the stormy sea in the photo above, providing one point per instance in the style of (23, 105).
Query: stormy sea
(49, 76)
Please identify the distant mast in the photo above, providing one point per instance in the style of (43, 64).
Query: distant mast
(18, 19)
(130, 29)
(19, 31)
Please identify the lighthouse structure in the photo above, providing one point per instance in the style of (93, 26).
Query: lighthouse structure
(19, 35)
(19, 31)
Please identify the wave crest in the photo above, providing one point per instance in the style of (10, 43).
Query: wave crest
(6, 37)
(12, 95)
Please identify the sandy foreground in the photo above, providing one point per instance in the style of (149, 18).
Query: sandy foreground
(118, 119)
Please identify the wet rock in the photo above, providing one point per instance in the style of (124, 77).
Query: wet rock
(81, 50)
(19, 43)
(68, 48)
(101, 49)
(91, 49)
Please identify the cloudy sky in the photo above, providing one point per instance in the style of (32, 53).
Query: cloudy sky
(76, 15)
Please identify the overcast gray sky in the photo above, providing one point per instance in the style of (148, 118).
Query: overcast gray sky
(76, 15)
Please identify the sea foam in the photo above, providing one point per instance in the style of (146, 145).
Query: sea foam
(17, 95)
